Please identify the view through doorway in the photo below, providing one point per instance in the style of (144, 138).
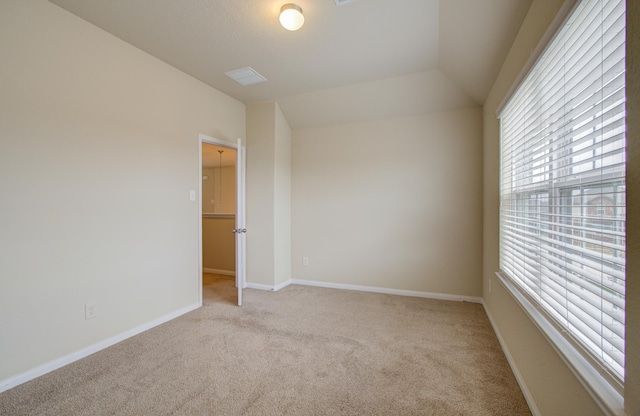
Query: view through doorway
(218, 199)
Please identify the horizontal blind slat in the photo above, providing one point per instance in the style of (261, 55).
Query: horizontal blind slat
(562, 183)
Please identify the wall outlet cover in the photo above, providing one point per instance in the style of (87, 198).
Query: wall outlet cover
(89, 311)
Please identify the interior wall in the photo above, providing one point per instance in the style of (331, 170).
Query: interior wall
(98, 152)
(394, 203)
(282, 194)
(218, 240)
(218, 244)
(268, 196)
(260, 207)
(551, 386)
(213, 199)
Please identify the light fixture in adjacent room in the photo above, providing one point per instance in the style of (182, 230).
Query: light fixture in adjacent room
(291, 17)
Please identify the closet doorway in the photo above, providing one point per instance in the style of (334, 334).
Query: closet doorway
(221, 222)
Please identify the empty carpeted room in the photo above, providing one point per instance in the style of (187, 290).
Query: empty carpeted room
(428, 218)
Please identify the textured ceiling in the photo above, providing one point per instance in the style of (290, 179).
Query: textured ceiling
(369, 48)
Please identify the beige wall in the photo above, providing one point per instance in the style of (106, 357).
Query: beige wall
(260, 190)
(282, 195)
(550, 384)
(95, 135)
(393, 203)
(218, 240)
(98, 152)
(219, 244)
(268, 195)
(223, 197)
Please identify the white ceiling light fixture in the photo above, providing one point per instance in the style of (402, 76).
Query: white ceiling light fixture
(291, 17)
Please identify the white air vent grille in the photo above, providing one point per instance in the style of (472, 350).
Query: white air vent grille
(343, 2)
(245, 76)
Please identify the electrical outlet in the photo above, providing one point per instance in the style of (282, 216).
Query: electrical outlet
(305, 261)
(89, 311)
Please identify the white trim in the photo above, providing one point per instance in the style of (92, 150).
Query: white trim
(260, 286)
(283, 285)
(45, 368)
(523, 386)
(601, 391)
(270, 288)
(200, 226)
(203, 138)
(241, 214)
(384, 290)
(400, 292)
(218, 271)
(216, 141)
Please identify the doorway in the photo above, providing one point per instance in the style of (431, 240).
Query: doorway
(221, 219)
(218, 198)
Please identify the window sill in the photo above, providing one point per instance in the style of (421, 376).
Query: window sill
(599, 388)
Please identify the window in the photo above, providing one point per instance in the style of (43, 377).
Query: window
(562, 185)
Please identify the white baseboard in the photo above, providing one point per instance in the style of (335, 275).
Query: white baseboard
(283, 285)
(523, 386)
(45, 368)
(261, 286)
(270, 288)
(412, 293)
(218, 271)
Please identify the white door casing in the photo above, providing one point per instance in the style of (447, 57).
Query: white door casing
(240, 230)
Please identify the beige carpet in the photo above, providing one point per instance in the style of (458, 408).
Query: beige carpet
(299, 351)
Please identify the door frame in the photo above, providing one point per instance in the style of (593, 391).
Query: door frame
(240, 190)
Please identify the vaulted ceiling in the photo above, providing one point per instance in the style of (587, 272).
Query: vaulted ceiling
(361, 60)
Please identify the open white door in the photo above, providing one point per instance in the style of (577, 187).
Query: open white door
(240, 231)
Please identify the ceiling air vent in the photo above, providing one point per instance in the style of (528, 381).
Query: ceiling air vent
(245, 76)
(343, 2)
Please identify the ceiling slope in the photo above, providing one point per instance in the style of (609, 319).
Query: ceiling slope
(409, 95)
(338, 45)
(475, 37)
(347, 63)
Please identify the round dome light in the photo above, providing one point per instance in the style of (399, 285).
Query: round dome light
(291, 17)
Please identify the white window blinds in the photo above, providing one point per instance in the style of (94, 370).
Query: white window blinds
(562, 190)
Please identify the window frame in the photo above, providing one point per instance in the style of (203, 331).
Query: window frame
(606, 388)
